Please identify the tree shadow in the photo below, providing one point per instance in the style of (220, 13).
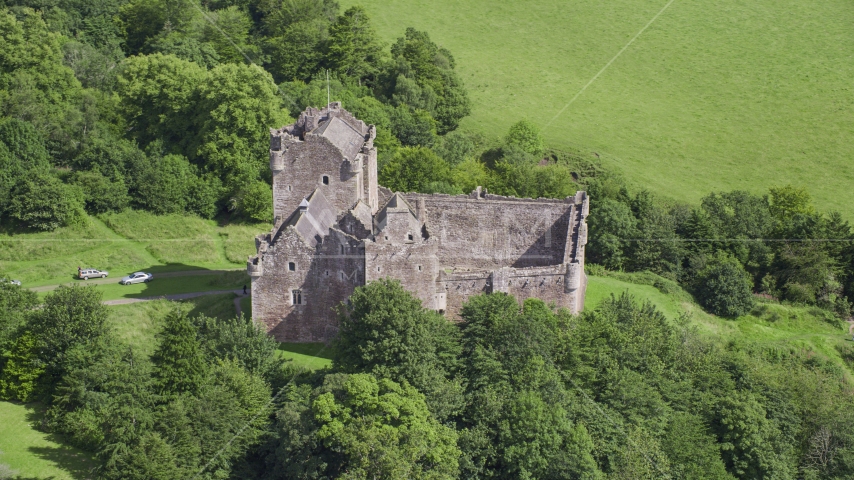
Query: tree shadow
(78, 463)
(177, 279)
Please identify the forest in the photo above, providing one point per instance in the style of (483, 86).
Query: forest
(164, 106)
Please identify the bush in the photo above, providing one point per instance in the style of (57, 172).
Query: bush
(724, 287)
(43, 202)
(526, 135)
(100, 193)
(412, 169)
(256, 202)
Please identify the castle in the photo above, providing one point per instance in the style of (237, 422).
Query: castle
(335, 229)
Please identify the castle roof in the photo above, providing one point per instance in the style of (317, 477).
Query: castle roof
(344, 136)
(315, 221)
(395, 203)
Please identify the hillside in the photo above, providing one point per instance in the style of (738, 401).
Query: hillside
(712, 96)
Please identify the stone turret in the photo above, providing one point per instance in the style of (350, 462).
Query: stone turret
(254, 267)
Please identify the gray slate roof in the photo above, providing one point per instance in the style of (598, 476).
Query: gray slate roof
(315, 222)
(348, 139)
(396, 202)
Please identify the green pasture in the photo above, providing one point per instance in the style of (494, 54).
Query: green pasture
(35, 454)
(769, 324)
(714, 95)
(126, 242)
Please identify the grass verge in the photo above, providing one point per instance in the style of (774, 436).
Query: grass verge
(34, 454)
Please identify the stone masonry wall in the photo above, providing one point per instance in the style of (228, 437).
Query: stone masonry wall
(304, 165)
(325, 277)
(415, 265)
(490, 233)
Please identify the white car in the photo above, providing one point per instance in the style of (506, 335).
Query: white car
(11, 282)
(138, 277)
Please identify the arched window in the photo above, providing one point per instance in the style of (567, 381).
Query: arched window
(325, 179)
(296, 297)
(292, 267)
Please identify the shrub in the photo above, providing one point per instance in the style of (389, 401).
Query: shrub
(43, 202)
(256, 202)
(526, 135)
(102, 194)
(724, 288)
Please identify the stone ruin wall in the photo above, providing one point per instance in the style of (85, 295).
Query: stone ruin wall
(492, 232)
(414, 265)
(298, 170)
(545, 283)
(324, 275)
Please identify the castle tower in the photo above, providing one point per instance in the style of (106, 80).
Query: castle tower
(326, 149)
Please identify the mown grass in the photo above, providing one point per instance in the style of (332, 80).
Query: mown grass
(34, 454)
(169, 285)
(137, 324)
(713, 96)
(123, 243)
(309, 355)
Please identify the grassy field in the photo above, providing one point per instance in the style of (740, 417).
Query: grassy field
(34, 454)
(170, 285)
(124, 243)
(311, 355)
(713, 96)
(138, 323)
(770, 324)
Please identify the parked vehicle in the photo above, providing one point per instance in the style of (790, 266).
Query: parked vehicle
(88, 273)
(137, 277)
(12, 282)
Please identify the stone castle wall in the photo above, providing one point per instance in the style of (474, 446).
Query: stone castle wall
(325, 276)
(304, 164)
(486, 233)
(442, 248)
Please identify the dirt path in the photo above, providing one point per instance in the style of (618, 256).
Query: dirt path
(104, 281)
(177, 296)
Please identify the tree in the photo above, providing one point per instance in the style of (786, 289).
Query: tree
(358, 426)
(724, 288)
(612, 230)
(43, 202)
(158, 95)
(240, 340)
(237, 105)
(788, 201)
(412, 168)
(750, 443)
(439, 89)
(100, 193)
(256, 202)
(526, 136)
(455, 147)
(179, 362)
(16, 303)
(386, 332)
(354, 49)
(297, 54)
(413, 127)
(22, 368)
